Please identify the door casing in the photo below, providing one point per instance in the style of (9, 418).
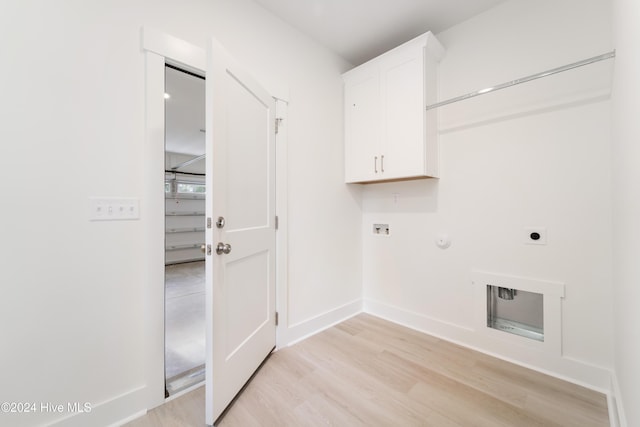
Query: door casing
(160, 48)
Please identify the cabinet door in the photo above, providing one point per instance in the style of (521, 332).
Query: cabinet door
(363, 130)
(402, 74)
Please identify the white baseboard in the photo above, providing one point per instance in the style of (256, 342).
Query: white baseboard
(614, 399)
(113, 412)
(302, 330)
(593, 377)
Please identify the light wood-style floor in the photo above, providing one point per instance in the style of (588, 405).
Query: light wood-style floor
(370, 372)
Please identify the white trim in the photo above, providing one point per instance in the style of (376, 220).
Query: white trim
(127, 420)
(152, 212)
(617, 416)
(420, 322)
(575, 371)
(159, 48)
(282, 234)
(306, 328)
(174, 50)
(112, 412)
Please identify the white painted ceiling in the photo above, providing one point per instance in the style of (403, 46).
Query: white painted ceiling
(359, 30)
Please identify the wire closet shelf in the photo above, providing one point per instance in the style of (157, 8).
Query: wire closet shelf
(542, 74)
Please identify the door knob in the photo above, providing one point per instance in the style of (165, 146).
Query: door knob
(223, 248)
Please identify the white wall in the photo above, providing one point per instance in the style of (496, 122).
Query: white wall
(626, 187)
(73, 294)
(533, 155)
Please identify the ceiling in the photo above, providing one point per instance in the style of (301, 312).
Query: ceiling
(359, 30)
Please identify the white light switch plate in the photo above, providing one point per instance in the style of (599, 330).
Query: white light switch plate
(113, 208)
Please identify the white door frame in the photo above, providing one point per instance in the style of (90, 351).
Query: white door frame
(282, 236)
(160, 48)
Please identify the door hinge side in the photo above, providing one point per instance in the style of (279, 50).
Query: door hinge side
(276, 318)
(278, 121)
(277, 222)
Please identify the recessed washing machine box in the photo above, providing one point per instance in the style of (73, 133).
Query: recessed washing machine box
(523, 311)
(516, 312)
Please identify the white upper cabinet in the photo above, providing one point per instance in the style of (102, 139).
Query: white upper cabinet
(389, 135)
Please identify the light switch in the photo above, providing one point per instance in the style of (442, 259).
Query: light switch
(114, 209)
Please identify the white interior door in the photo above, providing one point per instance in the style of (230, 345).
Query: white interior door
(241, 189)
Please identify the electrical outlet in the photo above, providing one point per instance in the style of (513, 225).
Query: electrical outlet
(535, 236)
(381, 229)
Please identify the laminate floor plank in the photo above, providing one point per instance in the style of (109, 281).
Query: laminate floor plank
(370, 372)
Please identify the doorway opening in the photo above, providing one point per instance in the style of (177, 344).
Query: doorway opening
(185, 205)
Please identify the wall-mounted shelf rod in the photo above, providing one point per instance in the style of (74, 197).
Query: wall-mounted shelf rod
(185, 230)
(567, 67)
(183, 173)
(182, 247)
(188, 162)
(184, 213)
